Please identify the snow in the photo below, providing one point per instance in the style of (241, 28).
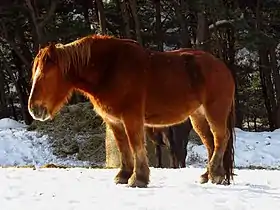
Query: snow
(81, 188)
(6, 123)
(19, 147)
(258, 149)
(247, 58)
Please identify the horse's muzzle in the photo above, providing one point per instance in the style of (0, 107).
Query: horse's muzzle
(39, 112)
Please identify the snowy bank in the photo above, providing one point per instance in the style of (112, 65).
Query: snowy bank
(252, 149)
(19, 147)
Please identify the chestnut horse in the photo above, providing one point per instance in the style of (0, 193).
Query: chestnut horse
(131, 87)
(175, 138)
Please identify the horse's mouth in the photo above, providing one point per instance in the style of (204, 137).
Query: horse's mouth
(39, 112)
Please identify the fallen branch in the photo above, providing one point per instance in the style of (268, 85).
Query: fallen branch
(224, 23)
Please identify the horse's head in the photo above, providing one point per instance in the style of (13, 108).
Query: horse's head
(49, 89)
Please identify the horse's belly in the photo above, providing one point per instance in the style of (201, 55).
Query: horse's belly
(169, 114)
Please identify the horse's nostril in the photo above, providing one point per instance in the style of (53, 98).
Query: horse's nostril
(39, 110)
(35, 109)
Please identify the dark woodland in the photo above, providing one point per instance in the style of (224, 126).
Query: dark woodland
(245, 34)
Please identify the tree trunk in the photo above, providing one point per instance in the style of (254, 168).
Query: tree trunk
(21, 87)
(231, 64)
(276, 81)
(248, 123)
(101, 16)
(25, 51)
(3, 101)
(203, 34)
(23, 103)
(119, 13)
(133, 6)
(87, 5)
(180, 10)
(125, 17)
(158, 26)
(13, 110)
(39, 26)
(263, 63)
(271, 95)
(255, 123)
(265, 72)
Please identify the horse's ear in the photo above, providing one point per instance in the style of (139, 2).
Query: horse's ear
(43, 45)
(52, 52)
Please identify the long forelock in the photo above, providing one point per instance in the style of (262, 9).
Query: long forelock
(35, 66)
(39, 61)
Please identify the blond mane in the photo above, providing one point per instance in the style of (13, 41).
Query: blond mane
(77, 53)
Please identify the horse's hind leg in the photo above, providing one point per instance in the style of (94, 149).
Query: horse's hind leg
(202, 128)
(217, 114)
(134, 127)
(126, 168)
(155, 137)
(158, 156)
(185, 142)
(173, 148)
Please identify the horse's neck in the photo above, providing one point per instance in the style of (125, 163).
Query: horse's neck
(91, 78)
(88, 81)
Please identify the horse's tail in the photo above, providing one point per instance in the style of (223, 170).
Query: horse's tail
(228, 160)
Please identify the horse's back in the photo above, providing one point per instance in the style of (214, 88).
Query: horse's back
(196, 71)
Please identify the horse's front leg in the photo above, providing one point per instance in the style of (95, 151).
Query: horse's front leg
(135, 132)
(126, 159)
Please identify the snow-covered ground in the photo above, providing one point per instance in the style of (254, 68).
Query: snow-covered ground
(69, 189)
(80, 188)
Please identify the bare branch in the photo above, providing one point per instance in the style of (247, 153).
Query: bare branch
(8, 68)
(34, 19)
(13, 45)
(49, 15)
(221, 23)
(39, 25)
(224, 23)
(31, 9)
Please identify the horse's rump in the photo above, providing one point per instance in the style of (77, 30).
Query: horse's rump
(176, 78)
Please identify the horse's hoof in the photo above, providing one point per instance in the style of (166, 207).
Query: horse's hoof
(217, 179)
(216, 174)
(122, 177)
(120, 180)
(203, 179)
(134, 182)
(137, 183)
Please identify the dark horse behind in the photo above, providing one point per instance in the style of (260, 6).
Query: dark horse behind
(175, 138)
(131, 87)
